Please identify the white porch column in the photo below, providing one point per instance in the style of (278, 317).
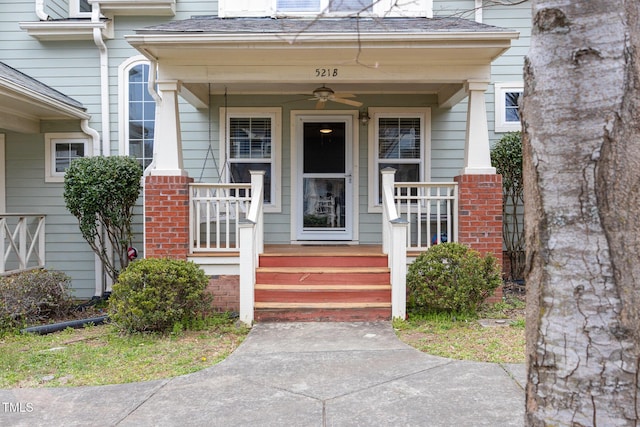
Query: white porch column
(477, 155)
(167, 144)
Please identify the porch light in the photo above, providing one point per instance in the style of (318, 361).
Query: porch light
(325, 129)
(364, 117)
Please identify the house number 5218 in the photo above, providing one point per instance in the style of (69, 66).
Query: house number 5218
(326, 72)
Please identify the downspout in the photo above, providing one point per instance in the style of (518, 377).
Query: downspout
(42, 15)
(104, 81)
(151, 87)
(105, 114)
(97, 264)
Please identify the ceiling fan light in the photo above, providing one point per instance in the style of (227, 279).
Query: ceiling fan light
(325, 129)
(323, 92)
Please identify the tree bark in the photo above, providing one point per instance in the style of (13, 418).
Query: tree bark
(581, 145)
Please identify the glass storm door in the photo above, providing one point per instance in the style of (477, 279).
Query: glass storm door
(325, 203)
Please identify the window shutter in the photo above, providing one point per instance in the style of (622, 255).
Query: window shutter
(244, 8)
(404, 8)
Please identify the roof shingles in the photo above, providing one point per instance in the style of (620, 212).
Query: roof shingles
(215, 25)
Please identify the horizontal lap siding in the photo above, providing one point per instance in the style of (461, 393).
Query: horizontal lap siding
(72, 68)
(26, 192)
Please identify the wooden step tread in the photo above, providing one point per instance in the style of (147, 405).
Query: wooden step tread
(323, 270)
(323, 254)
(320, 287)
(319, 305)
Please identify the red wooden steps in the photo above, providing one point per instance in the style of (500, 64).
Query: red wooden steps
(322, 287)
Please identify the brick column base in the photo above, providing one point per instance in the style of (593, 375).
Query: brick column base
(166, 231)
(480, 216)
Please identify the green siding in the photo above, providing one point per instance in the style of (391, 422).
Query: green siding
(27, 192)
(72, 67)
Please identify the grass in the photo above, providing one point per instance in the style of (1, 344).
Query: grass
(465, 338)
(99, 355)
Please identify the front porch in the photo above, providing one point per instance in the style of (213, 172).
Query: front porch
(223, 231)
(256, 87)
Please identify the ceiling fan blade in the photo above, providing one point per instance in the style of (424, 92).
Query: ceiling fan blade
(320, 104)
(343, 95)
(348, 102)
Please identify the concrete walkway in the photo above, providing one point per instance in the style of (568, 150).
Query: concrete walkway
(295, 374)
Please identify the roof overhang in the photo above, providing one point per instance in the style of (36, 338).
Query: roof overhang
(382, 62)
(22, 109)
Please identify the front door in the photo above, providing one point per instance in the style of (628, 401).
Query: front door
(325, 183)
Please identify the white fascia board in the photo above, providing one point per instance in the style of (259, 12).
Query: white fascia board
(328, 39)
(137, 7)
(67, 30)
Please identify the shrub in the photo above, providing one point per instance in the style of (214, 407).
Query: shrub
(159, 295)
(506, 157)
(33, 296)
(101, 193)
(451, 277)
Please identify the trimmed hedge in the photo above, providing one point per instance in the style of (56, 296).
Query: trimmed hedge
(451, 277)
(159, 295)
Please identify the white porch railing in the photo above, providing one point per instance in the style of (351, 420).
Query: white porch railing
(431, 212)
(251, 246)
(216, 213)
(23, 242)
(394, 244)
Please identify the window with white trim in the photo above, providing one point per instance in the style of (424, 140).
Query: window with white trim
(399, 139)
(79, 9)
(312, 8)
(507, 110)
(327, 6)
(140, 113)
(61, 150)
(251, 139)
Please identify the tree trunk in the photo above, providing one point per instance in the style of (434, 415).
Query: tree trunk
(581, 120)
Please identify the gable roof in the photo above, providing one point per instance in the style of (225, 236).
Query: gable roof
(15, 77)
(437, 56)
(25, 102)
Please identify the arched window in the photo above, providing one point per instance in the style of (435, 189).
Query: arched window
(138, 112)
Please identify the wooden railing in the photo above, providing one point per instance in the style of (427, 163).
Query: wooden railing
(216, 213)
(23, 242)
(431, 211)
(394, 244)
(415, 215)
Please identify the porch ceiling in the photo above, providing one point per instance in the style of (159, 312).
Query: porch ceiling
(275, 56)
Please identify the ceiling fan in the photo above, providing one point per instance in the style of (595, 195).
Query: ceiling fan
(324, 94)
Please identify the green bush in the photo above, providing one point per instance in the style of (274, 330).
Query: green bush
(33, 296)
(159, 295)
(101, 193)
(451, 277)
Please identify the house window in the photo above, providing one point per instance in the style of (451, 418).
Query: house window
(329, 6)
(140, 113)
(79, 9)
(507, 111)
(61, 150)
(399, 140)
(312, 8)
(252, 143)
